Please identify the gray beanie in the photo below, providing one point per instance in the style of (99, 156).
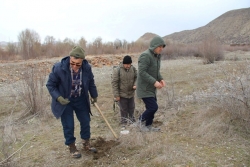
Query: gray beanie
(77, 52)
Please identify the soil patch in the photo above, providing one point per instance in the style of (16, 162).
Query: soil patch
(103, 147)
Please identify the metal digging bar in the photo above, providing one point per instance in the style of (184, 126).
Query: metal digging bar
(105, 120)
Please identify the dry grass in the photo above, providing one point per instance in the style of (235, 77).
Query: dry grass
(194, 130)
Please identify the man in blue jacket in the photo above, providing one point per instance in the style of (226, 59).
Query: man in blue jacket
(149, 79)
(70, 83)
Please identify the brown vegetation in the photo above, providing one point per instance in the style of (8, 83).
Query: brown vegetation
(29, 46)
(203, 114)
(204, 110)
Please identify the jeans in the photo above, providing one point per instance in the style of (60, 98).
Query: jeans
(79, 105)
(151, 107)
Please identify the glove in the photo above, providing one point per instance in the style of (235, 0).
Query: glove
(93, 100)
(63, 101)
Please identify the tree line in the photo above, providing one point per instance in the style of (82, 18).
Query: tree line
(29, 46)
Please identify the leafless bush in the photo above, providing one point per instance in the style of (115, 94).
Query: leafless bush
(33, 92)
(232, 48)
(231, 95)
(3, 54)
(174, 50)
(168, 97)
(211, 50)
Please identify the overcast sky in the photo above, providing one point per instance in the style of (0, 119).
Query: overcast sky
(108, 19)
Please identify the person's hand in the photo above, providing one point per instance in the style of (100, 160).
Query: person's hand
(93, 100)
(162, 82)
(134, 87)
(158, 85)
(117, 98)
(63, 101)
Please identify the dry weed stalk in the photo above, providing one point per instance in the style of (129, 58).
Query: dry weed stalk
(8, 137)
(10, 156)
(33, 93)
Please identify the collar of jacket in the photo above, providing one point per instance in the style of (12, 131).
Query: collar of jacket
(154, 54)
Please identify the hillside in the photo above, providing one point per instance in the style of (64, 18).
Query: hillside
(146, 37)
(231, 27)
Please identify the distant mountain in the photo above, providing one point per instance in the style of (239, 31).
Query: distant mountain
(146, 37)
(231, 27)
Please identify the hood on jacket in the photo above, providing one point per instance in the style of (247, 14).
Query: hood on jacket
(155, 42)
(65, 62)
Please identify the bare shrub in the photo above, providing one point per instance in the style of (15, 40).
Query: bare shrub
(211, 50)
(169, 97)
(235, 47)
(3, 54)
(231, 95)
(10, 52)
(33, 92)
(246, 48)
(174, 50)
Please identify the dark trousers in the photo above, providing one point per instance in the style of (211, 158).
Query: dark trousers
(127, 107)
(79, 105)
(151, 107)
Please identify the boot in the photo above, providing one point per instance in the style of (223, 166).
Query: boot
(87, 146)
(150, 128)
(73, 151)
(153, 129)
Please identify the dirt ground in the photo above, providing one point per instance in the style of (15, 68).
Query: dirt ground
(191, 135)
(13, 73)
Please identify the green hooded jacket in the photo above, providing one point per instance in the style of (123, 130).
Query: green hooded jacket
(149, 69)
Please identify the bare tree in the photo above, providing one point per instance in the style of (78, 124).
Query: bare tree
(12, 49)
(96, 46)
(117, 44)
(48, 46)
(108, 48)
(67, 44)
(83, 43)
(30, 45)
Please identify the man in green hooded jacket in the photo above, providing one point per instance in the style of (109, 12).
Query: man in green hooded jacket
(149, 80)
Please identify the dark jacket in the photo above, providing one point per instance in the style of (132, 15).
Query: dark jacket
(123, 81)
(59, 84)
(149, 70)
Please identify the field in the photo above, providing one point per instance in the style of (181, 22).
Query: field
(203, 115)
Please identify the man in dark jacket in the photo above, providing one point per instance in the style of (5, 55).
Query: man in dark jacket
(70, 83)
(149, 80)
(123, 84)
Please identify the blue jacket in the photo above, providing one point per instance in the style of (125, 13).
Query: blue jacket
(59, 84)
